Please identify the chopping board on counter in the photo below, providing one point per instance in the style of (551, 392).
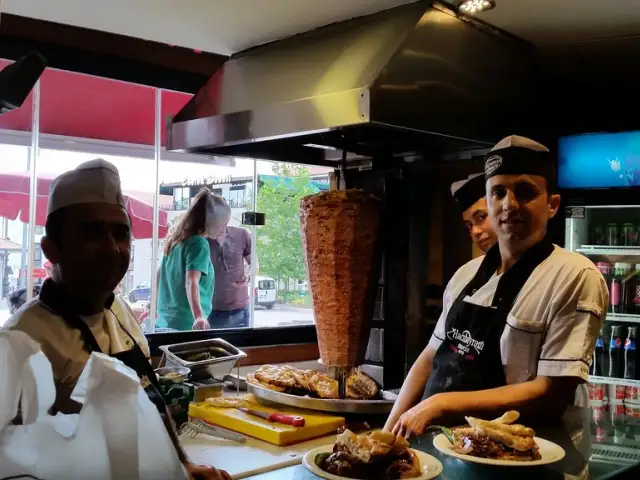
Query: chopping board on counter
(316, 424)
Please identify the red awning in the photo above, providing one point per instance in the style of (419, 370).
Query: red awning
(14, 202)
(83, 106)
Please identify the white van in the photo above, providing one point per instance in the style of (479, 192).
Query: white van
(265, 291)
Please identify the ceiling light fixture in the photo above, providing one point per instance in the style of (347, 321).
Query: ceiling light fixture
(476, 6)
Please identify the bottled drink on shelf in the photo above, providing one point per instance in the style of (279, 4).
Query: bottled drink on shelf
(606, 340)
(626, 287)
(617, 288)
(628, 235)
(597, 235)
(635, 301)
(606, 269)
(612, 236)
(598, 357)
(616, 352)
(630, 356)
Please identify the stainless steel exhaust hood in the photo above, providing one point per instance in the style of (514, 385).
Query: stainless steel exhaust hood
(412, 80)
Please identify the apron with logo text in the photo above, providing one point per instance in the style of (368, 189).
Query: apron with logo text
(469, 357)
(58, 301)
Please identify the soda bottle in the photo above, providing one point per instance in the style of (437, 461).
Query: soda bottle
(630, 367)
(615, 288)
(635, 309)
(597, 234)
(628, 234)
(616, 352)
(612, 237)
(606, 340)
(634, 235)
(625, 287)
(598, 356)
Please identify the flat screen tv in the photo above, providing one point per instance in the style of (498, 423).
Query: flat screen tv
(599, 160)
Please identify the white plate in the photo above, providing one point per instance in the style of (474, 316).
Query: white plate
(549, 451)
(430, 466)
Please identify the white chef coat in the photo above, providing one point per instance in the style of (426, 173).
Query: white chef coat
(554, 322)
(64, 347)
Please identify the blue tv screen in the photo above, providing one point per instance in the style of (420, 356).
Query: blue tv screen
(599, 160)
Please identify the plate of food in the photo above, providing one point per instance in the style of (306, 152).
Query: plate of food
(375, 456)
(317, 391)
(498, 442)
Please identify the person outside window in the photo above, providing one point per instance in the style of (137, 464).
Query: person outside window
(186, 275)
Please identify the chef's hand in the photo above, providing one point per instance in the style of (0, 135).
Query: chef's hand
(416, 420)
(205, 472)
(200, 324)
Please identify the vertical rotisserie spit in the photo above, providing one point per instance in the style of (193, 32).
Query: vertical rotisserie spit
(340, 238)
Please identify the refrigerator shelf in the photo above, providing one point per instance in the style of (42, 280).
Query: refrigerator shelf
(609, 251)
(614, 381)
(615, 454)
(623, 318)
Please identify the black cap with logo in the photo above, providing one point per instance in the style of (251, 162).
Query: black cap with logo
(468, 191)
(515, 155)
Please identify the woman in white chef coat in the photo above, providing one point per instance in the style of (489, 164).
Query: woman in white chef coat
(519, 324)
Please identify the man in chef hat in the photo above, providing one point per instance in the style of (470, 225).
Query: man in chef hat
(519, 324)
(469, 194)
(88, 242)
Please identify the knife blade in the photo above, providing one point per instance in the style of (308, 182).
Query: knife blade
(293, 420)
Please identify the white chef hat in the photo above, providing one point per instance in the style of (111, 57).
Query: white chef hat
(95, 181)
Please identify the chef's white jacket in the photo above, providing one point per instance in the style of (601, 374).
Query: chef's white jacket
(64, 347)
(554, 323)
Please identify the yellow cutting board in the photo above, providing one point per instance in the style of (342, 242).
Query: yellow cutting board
(316, 424)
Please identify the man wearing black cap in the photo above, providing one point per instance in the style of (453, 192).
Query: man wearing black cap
(470, 196)
(519, 325)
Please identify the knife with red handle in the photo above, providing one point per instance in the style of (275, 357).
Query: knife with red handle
(293, 420)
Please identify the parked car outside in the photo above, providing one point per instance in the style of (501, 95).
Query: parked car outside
(141, 292)
(265, 292)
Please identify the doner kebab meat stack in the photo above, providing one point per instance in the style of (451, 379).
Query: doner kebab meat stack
(340, 234)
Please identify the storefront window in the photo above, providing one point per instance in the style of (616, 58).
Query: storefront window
(260, 278)
(282, 288)
(15, 151)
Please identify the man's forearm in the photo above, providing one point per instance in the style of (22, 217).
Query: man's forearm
(412, 388)
(543, 396)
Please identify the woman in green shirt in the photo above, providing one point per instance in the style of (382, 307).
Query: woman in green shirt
(185, 279)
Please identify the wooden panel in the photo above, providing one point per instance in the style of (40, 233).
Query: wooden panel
(297, 352)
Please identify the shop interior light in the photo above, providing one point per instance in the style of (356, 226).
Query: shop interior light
(476, 6)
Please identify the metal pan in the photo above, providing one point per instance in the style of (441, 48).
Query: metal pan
(266, 397)
(223, 357)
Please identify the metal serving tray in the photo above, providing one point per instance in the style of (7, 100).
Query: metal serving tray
(225, 357)
(267, 397)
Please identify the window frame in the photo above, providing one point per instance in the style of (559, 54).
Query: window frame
(246, 337)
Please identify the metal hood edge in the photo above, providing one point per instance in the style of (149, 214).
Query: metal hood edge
(409, 80)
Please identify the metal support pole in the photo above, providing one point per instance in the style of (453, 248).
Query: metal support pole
(156, 212)
(33, 186)
(254, 245)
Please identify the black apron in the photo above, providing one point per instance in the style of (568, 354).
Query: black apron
(59, 302)
(469, 357)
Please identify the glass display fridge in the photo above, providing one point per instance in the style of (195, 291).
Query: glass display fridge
(599, 177)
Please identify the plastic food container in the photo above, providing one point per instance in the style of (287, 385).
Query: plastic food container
(212, 358)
